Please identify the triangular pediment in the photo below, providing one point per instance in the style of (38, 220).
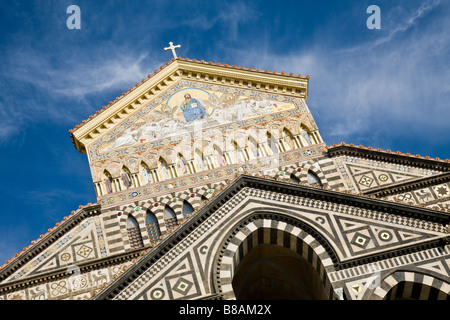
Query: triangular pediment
(158, 93)
(186, 108)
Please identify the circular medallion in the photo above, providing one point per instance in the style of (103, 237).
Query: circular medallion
(65, 256)
(157, 294)
(79, 282)
(385, 235)
(383, 177)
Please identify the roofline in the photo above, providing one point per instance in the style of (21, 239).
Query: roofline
(388, 155)
(47, 239)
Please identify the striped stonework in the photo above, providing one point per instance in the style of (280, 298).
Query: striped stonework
(415, 285)
(258, 230)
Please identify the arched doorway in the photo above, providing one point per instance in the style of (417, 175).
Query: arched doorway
(273, 272)
(270, 247)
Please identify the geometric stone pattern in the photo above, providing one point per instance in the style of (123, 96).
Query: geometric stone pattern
(357, 232)
(78, 286)
(412, 284)
(431, 196)
(361, 175)
(84, 242)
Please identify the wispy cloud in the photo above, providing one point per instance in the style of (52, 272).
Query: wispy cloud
(357, 91)
(397, 25)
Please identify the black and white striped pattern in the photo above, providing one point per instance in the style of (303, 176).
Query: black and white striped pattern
(414, 285)
(270, 231)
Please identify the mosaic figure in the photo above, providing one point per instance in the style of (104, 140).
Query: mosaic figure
(192, 108)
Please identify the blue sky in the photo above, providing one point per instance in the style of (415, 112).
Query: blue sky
(386, 88)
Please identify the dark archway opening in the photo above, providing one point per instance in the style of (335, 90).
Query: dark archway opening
(276, 273)
(406, 290)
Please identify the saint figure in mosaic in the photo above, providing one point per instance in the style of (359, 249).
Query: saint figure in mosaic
(192, 108)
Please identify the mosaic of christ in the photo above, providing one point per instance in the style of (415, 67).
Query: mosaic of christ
(192, 108)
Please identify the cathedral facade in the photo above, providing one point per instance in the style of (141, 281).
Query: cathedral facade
(213, 182)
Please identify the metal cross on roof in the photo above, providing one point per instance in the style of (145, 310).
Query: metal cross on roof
(172, 47)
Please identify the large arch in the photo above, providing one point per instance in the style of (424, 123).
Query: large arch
(273, 237)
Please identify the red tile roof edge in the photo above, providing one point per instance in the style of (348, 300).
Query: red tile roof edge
(352, 145)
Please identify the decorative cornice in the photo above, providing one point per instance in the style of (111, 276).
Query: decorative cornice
(389, 156)
(409, 185)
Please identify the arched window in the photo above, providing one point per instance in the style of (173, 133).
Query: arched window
(187, 208)
(183, 166)
(165, 172)
(134, 233)
(294, 179)
(126, 178)
(108, 180)
(147, 175)
(199, 159)
(306, 137)
(170, 218)
(288, 140)
(253, 147)
(218, 156)
(152, 227)
(313, 179)
(239, 155)
(272, 143)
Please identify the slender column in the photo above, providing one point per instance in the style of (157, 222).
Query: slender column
(299, 141)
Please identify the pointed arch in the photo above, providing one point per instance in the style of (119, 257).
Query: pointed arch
(219, 157)
(305, 136)
(147, 176)
(108, 181)
(187, 208)
(170, 218)
(199, 160)
(288, 140)
(253, 147)
(238, 153)
(313, 179)
(126, 177)
(164, 170)
(182, 165)
(153, 230)
(410, 285)
(264, 229)
(134, 233)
